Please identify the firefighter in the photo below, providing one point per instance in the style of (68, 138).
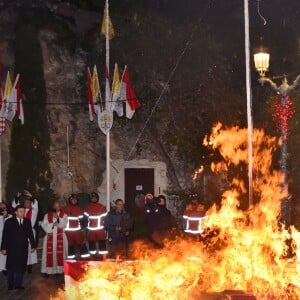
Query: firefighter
(96, 213)
(193, 216)
(76, 239)
(158, 219)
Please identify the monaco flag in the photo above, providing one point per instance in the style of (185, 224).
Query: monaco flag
(127, 94)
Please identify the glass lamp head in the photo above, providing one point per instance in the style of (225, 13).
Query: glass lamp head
(261, 61)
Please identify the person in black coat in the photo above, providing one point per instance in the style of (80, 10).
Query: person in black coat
(159, 220)
(16, 234)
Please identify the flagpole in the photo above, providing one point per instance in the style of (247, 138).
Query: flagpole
(69, 173)
(249, 103)
(106, 102)
(68, 152)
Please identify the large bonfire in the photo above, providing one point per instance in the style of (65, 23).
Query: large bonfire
(243, 250)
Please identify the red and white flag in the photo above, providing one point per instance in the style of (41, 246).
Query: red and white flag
(127, 94)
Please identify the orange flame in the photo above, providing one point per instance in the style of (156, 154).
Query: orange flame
(198, 172)
(241, 251)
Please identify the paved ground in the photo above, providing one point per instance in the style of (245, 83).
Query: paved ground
(36, 287)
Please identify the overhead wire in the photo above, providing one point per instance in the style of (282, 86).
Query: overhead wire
(165, 87)
(259, 13)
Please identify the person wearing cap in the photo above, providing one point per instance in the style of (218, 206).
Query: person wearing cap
(17, 234)
(76, 239)
(96, 213)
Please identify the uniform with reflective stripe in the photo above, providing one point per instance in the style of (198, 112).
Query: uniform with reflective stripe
(199, 226)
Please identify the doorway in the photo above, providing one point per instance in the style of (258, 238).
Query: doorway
(138, 183)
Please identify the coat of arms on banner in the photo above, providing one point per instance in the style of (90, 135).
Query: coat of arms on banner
(105, 121)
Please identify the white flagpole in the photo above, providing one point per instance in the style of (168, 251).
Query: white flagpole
(249, 102)
(0, 170)
(68, 152)
(69, 173)
(107, 101)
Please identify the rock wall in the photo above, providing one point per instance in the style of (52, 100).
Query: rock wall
(7, 22)
(67, 109)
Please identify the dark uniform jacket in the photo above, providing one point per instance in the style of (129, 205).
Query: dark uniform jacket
(15, 240)
(114, 219)
(159, 218)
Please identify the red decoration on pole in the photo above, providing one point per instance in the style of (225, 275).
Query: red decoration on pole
(283, 111)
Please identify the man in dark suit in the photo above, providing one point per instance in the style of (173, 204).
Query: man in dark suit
(16, 233)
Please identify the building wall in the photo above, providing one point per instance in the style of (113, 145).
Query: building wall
(117, 177)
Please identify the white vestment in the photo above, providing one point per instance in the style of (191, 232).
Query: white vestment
(50, 228)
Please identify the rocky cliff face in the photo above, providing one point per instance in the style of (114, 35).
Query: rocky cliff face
(65, 108)
(7, 21)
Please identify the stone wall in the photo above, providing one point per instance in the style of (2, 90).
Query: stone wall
(117, 177)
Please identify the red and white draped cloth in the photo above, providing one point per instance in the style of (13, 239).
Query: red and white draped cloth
(55, 244)
(59, 244)
(75, 271)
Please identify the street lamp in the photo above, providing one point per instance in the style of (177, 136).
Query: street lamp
(261, 61)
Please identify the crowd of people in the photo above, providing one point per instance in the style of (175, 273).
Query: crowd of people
(73, 232)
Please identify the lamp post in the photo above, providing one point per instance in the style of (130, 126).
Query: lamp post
(261, 61)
